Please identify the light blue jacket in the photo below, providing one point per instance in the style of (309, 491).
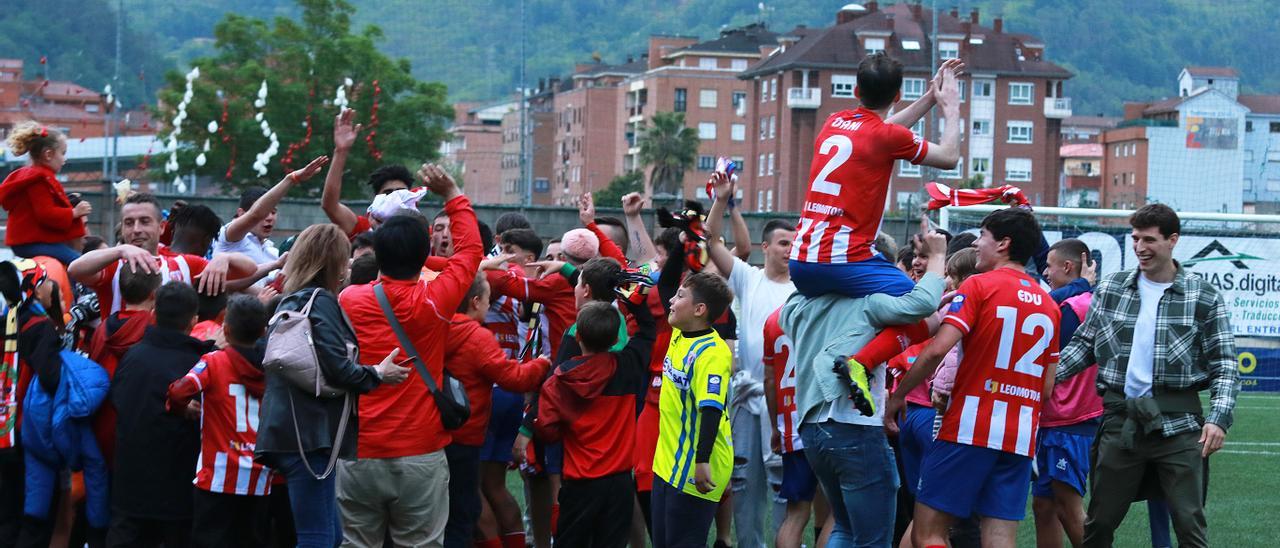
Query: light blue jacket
(829, 327)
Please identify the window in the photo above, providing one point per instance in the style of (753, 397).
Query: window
(706, 163)
(707, 130)
(1273, 185)
(982, 88)
(948, 50)
(740, 102)
(911, 45)
(842, 85)
(1248, 125)
(764, 127)
(768, 200)
(773, 89)
(682, 100)
(707, 62)
(912, 88)
(760, 166)
(1017, 169)
(918, 128)
(963, 85)
(773, 126)
(738, 132)
(764, 91)
(907, 169)
(1022, 93)
(1275, 127)
(759, 201)
(738, 64)
(980, 165)
(91, 107)
(873, 45)
(541, 185)
(953, 173)
(770, 163)
(981, 128)
(1020, 132)
(707, 98)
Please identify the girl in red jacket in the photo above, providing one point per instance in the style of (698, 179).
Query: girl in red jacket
(42, 220)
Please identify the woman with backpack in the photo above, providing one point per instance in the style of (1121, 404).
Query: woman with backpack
(303, 431)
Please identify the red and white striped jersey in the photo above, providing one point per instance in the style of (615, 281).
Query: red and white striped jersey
(778, 351)
(1010, 343)
(853, 158)
(174, 267)
(230, 388)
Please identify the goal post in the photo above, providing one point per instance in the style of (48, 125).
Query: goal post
(1237, 253)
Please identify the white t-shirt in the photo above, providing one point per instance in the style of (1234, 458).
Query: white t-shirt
(757, 298)
(261, 251)
(1139, 372)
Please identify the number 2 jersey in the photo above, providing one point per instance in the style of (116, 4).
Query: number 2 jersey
(230, 388)
(1010, 342)
(779, 354)
(853, 158)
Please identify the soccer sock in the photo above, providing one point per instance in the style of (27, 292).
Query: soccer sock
(555, 517)
(512, 540)
(891, 342)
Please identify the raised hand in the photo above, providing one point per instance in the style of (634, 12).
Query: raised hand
(586, 209)
(438, 181)
(308, 171)
(723, 186)
(345, 130)
(632, 204)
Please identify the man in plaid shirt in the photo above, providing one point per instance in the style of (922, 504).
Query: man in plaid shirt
(1159, 335)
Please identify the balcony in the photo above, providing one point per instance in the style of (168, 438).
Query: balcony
(1057, 107)
(809, 98)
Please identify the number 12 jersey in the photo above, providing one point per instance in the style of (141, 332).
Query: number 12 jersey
(853, 158)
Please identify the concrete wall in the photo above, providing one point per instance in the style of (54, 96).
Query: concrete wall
(295, 215)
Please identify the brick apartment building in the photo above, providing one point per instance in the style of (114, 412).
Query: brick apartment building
(1081, 182)
(699, 79)
(1210, 148)
(589, 142)
(475, 148)
(540, 133)
(1012, 101)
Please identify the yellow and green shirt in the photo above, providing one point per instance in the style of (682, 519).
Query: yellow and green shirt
(695, 374)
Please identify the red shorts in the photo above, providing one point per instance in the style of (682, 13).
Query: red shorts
(647, 437)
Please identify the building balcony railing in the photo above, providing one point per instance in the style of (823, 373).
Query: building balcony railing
(810, 98)
(1057, 107)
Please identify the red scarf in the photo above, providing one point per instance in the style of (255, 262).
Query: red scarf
(943, 195)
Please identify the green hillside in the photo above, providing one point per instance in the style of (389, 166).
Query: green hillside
(1119, 50)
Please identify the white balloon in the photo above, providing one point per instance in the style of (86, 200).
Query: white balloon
(212, 127)
(200, 160)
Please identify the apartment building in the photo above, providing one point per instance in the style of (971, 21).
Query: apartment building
(1012, 101)
(475, 148)
(588, 141)
(540, 131)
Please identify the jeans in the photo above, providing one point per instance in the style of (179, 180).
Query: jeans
(314, 502)
(62, 252)
(464, 494)
(680, 520)
(755, 486)
(856, 468)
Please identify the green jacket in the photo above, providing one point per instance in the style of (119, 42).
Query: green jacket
(831, 326)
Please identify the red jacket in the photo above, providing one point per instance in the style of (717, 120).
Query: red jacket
(113, 337)
(472, 356)
(553, 291)
(402, 420)
(39, 211)
(589, 403)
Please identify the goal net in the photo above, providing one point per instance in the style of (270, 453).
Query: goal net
(1237, 253)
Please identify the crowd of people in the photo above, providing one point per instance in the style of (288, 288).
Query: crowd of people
(375, 380)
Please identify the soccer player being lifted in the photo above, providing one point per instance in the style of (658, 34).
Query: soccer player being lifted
(834, 248)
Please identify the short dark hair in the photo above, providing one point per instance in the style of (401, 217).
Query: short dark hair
(905, 256)
(251, 195)
(510, 220)
(879, 80)
(176, 305)
(390, 172)
(486, 236)
(524, 238)
(210, 306)
(669, 239)
(137, 286)
(600, 275)
(1157, 215)
(246, 319)
(401, 245)
(962, 240)
(598, 325)
(774, 225)
(144, 198)
(616, 222)
(477, 288)
(1020, 226)
(362, 240)
(1070, 249)
(197, 216)
(92, 243)
(711, 290)
(363, 270)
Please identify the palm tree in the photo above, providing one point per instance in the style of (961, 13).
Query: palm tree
(667, 148)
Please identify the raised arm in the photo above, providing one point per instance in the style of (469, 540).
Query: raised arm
(642, 247)
(908, 117)
(241, 284)
(741, 234)
(344, 135)
(450, 287)
(946, 153)
(242, 225)
(587, 215)
(720, 254)
(923, 299)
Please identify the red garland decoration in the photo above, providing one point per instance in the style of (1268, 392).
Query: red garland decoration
(373, 124)
(231, 165)
(306, 140)
(226, 139)
(146, 160)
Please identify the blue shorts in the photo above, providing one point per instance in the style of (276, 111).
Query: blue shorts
(915, 437)
(962, 480)
(504, 424)
(552, 456)
(799, 483)
(1061, 456)
(859, 279)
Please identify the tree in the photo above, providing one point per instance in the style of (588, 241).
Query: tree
(667, 148)
(611, 195)
(303, 64)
